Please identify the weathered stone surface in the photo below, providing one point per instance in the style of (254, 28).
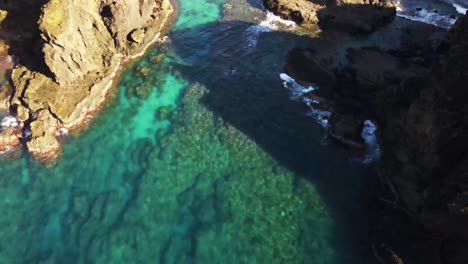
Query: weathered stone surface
(85, 44)
(5, 95)
(419, 103)
(137, 35)
(43, 142)
(145, 15)
(3, 45)
(3, 48)
(77, 44)
(8, 139)
(3, 15)
(356, 16)
(300, 11)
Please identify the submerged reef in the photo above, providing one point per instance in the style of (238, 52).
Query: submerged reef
(204, 183)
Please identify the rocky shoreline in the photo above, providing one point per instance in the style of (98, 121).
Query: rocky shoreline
(82, 59)
(356, 16)
(411, 83)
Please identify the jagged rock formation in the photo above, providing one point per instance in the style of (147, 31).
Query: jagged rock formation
(419, 103)
(83, 45)
(360, 16)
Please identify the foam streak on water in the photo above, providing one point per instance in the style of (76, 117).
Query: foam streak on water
(298, 93)
(270, 23)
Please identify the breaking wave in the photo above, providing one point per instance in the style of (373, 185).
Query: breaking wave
(269, 24)
(430, 17)
(298, 93)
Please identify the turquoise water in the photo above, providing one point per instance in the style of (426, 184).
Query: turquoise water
(200, 157)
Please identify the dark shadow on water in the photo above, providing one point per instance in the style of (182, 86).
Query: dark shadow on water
(21, 31)
(241, 71)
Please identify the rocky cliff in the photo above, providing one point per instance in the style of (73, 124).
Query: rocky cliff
(416, 93)
(79, 49)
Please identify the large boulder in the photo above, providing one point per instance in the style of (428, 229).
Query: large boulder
(357, 16)
(300, 11)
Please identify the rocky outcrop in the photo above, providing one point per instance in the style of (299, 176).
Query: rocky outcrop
(419, 104)
(300, 11)
(84, 44)
(359, 16)
(356, 16)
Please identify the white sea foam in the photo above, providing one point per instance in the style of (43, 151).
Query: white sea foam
(460, 9)
(274, 22)
(269, 24)
(298, 93)
(9, 121)
(398, 6)
(430, 17)
(6, 150)
(373, 148)
(27, 133)
(62, 132)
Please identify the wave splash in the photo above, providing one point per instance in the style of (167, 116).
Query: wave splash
(298, 93)
(269, 24)
(373, 148)
(430, 17)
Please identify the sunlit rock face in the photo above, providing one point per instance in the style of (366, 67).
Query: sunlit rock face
(78, 50)
(6, 64)
(357, 16)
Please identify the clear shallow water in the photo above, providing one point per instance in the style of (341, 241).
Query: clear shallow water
(200, 158)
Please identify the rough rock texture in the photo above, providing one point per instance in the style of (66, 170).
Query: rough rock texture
(419, 103)
(3, 15)
(359, 16)
(356, 18)
(83, 45)
(300, 11)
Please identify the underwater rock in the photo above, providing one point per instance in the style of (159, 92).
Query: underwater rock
(164, 112)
